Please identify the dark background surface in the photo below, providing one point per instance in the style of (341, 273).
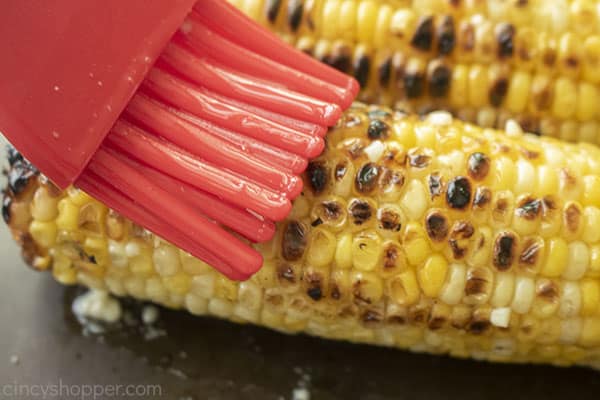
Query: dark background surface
(202, 358)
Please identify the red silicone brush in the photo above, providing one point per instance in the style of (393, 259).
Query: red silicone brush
(184, 116)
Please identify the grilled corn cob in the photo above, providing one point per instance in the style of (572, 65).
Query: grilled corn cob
(426, 234)
(535, 61)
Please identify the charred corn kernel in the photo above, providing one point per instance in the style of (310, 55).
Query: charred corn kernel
(432, 275)
(557, 256)
(459, 273)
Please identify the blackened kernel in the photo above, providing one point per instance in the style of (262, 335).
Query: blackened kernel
(331, 209)
(446, 36)
(272, 9)
(355, 148)
(390, 256)
(340, 59)
(439, 77)
(467, 36)
(316, 222)
(458, 194)
(498, 92)
(423, 37)
(414, 83)
(396, 319)
(504, 251)
(6, 204)
(389, 221)
(549, 204)
(436, 225)
(294, 241)
(436, 323)
(529, 208)
(505, 36)
(436, 185)
(389, 178)
(530, 253)
(295, 11)
(371, 317)
(378, 129)
(478, 166)
(335, 292)
(318, 175)
(314, 293)
(476, 284)
(384, 71)
(482, 198)
(360, 211)
(362, 66)
(366, 178)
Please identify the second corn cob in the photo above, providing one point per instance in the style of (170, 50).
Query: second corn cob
(422, 234)
(534, 61)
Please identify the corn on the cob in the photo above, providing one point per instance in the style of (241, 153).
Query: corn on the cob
(426, 234)
(535, 61)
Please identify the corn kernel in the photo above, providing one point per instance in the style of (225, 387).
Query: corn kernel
(344, 250)
(590, 297)
(556, 259)
(432, 275)
(404, 288)
(44, 233)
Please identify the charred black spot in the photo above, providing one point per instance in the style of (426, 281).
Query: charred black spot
(505, 36)
(529, 208)
(295, 11)
(318, 175)
(340, 59)
(362, 66)
(482, 197)
(371, 317)
(378, 129)
(384, 71)
(331, 209)
(19, 176)
(390, 221)
(548, 291)
(572, 217)
(366, 178)
(446, 36)
(498, 92)
(436, 322)
(315, 293)
(6, 203)
(504, 251)
(355, 148)
(436, 185)
(458, 194)
(414, 83)
(272, 9)
(477, 283)
(316, 222)
(391, 178)
(439, 79)
(423, 37)
(294, 241)
(390, 256)
(478, 166)
(360, 211)
(437, 226)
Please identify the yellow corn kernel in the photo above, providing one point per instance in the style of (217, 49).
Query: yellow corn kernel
(518, 92)
(166, 260)
(588, 101)
(347, 20)
(570, 300)
(366, 18)
(570, 53)
(404, 288)
(367, 286)
(432, 275)
(478, 84)
(322, 247)
(557, 257)
(548, 182)
(591, 59)
(459, 95)
(523, 295)
(591, 191)
(564, 103)
(454, 288)
(590, 297)
(382, 26)
(590, 332)
(343, 251)
(43, 232)
(503, 289)
(578, 261)
(594, 268)
(67, 215)
(416, 245)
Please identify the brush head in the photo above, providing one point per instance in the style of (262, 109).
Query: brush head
(69, 68)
